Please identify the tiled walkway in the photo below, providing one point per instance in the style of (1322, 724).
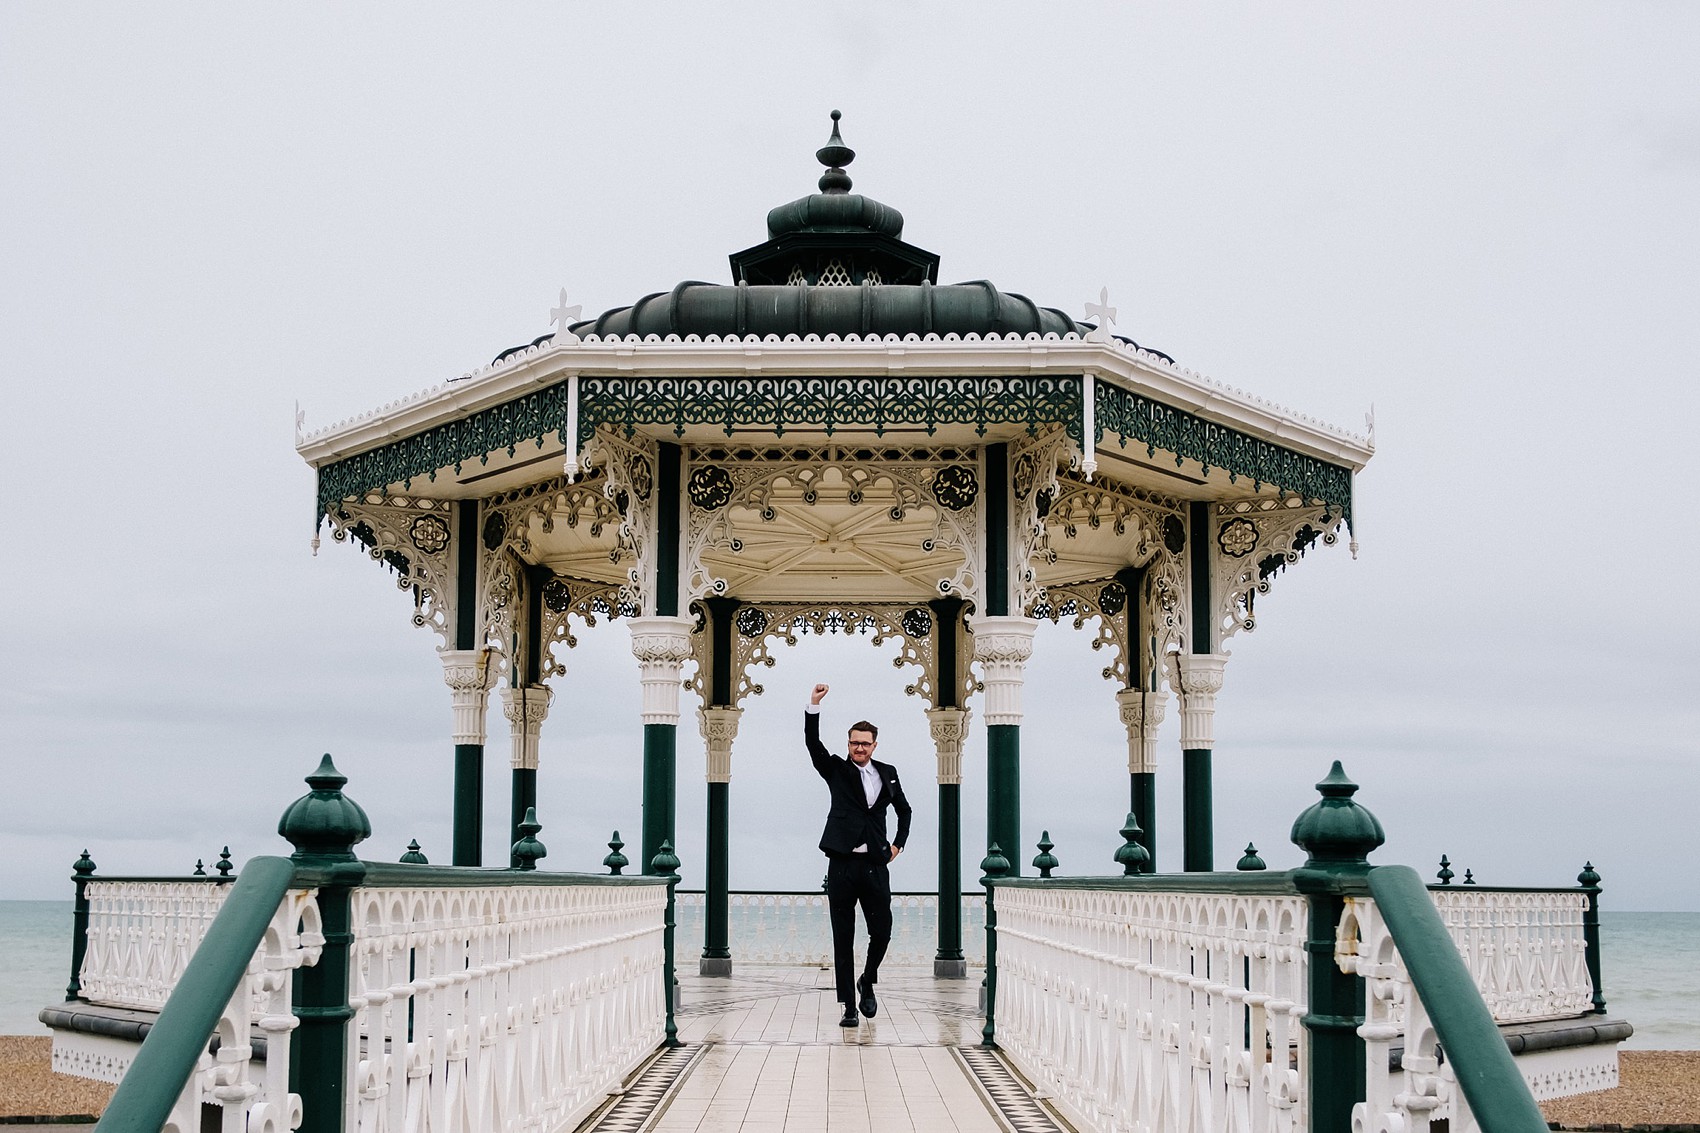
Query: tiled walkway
(765, 1054)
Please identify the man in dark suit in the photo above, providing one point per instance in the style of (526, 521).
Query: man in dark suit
(858, 853)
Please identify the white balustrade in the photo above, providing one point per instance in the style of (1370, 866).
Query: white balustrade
(499, 1007)
(141, 936)
(1525, 949)
(1145, 1009)
(794, 928)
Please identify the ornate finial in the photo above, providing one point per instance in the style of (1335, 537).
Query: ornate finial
(1335, 829)
(1469, 877)
(1130, 855)
(83, 867)
(835, 155)
(1587, 877)
(666, 862)
(1251, 861)
(413, 856)
(994, 864)
(1446, 875)
(564, 317)
(1103, 313)
(200, 868)
(616, 861)
(325, 823)
(528, 849)
(1046, 861)
(224, 865)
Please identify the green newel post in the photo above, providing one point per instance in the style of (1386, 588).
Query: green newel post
(81, 871)
(666, 864)
(993, 866)
(1589, 880)
(324, 826)
(1337, 835)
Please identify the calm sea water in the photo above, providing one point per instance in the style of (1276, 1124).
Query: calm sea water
(1651, 960)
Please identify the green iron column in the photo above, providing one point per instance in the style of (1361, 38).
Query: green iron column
(525, 701)
(468, 673)
(1002, 646)
(719, 723)
(948, 725)
(662, 645)
(1201, 679)
(1140, 707)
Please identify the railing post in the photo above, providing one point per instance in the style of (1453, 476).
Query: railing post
(1337, 835)
(324, 826)
(666, 864)
(993, 866)
(81, 871)
(1590, 883)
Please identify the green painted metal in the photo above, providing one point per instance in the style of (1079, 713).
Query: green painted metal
(1142, 791)
(665, 864)
(1203, 631)
(722, 620)
(1589, 880)
(718, 901)
(185, 1025)
(81, 870)
(947, 637)
(950, 873)
(1045, 861)
(469, 805)
(524, 800)
(1249, 861)
(1197, 820)
(324, 824)
(1134, 858)
(1003, 786)
(667, 530)
(1336, 830)
(997, 533)
(319, 1054)
(1487, 1074)
(773, 404)
(466, 575)
(528, 851)
(1139, 418)
(660, 786)
(993, 868)
(414, 856)
(616, 861)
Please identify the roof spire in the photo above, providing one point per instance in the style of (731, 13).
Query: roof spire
(835, 155)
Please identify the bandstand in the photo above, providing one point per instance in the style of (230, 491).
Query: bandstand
(835, 440)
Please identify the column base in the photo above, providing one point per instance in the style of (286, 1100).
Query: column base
(950, 969)
(714, 966)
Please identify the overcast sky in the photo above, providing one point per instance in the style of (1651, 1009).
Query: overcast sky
(1480, 219)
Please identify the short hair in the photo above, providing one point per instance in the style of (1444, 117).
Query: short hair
(864, 726)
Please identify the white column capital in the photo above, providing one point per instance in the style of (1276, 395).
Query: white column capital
(662, 646)
(949, 728)
(1141, 714)
(719, 726)
(469, 674)
(1201, 680)
(1002, 646)
(526, 708)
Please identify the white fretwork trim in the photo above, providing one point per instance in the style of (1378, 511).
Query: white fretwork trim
(526, 709)
(1032, 479)
(1252, 541)
(1141, 714)
(1089, 425)
(629, 467)
(469, 673)
(949, 729)
(662, 645)
(719, 726)
(1002, 646)
(411, 536)
(1200, 682)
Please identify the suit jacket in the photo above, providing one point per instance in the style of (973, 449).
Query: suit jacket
(852, 822)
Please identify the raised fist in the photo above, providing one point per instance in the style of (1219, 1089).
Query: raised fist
(815, 697)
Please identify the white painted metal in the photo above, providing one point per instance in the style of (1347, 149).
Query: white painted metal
(1525, 949)
(792, 929)
(141, 935)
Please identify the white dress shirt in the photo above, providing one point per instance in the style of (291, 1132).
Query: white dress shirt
(871, 783)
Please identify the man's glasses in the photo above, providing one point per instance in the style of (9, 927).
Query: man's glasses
(861, 743)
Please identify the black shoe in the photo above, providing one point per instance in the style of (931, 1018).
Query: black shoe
(849, 1019)
(870, 1005)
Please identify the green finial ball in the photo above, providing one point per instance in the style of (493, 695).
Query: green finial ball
(1445, 875)
(223, 864)
(528, 849)
(1337, 830)
(616, 861)
(1469, 877)
(83, 867)
(994, 864)
(325, 824)
(1588, 878)
(1251, 862)
(413, 855)
(200, 868)
(665, 863)
(1133, 857)
(1046, 861)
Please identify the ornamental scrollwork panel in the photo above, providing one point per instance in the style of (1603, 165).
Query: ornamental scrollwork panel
(628, 467)
(1104, 601)
(1255, 540)
(410, 535)
(730, 489)
(1033, 487)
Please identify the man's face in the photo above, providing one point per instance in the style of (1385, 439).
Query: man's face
(862, 745)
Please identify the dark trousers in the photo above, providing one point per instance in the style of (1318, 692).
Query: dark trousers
(851, 880)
